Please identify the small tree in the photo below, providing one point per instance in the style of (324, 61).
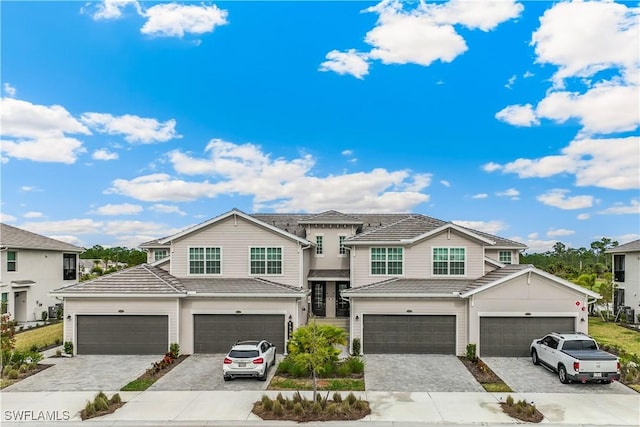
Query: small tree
(7, 336)
(312, 346)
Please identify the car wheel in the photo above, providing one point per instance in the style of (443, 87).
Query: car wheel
(562, 375)
(263, 377)
(534, 357)
(226, 378)
(273, 362)
(606, 382)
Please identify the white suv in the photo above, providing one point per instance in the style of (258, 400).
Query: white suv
(249, 359)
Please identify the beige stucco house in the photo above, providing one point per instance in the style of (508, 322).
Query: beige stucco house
(31, 267)
(398, 282)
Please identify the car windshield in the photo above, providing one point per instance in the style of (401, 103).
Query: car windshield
(243, 354)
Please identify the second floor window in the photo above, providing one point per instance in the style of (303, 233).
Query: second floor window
(159, 254)
(12, 261)
(341, 249)
(69, 267)
(386, 261)
(504, 257)
(448, 261)
(266, 260)
(204, 261)
(618, 268)
(319, 248)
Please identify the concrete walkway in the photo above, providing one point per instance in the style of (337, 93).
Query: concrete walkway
(388, 408)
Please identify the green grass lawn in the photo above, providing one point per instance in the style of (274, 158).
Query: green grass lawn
(610, 333)
(334, 384)
(41, 337)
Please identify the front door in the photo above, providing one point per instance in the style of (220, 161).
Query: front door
(319, 299)
(342, 306)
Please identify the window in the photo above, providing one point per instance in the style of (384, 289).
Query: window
(266, 260)
(4, 303)
(319, 248)
(204, 261)
(504, 257)
(69, 265)
(159, 254)
(386, 261)
(448, 261)
(341, 249)
(618, 268)
(12, 260)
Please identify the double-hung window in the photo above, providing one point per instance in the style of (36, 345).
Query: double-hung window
(504, 257)
(12, 261)
(205, 261)
(69, 267)
(266, 260)
(341, 249)
(449, 261)
(386, 261)
(319, 248)
(159, 254)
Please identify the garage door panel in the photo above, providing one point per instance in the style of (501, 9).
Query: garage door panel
(122, 334)
(416, 334)
(511, 336)
(216, 333)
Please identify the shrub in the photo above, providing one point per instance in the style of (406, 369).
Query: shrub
(345, 406)
(285, 365)
(174, 349)
(18, 357)
(68, 347)
(89, 410)
(351, 398)
(297, 397)
(316, 408)
(327, 369)
(59, 314)
(337, 397)
(12, 374)
(298, 371)
(32, 366)
(297, 408)
(471, 352)
(509, 400)
(343, 370)
(360, 405)
(278, 410)
(332, 409)
(58, 341)
(115, 399)
(35, 357)
(33, 348)
(280, 398)
(289, 405)
(101, 395)
(101, 403)
(58, 353)
(23, 368)
(356, 365)
(6, 369)
(44, 316)
(355, 347)
(267, 403)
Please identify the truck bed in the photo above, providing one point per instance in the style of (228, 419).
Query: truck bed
(590, 355)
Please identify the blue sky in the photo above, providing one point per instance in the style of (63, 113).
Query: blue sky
(125, 121)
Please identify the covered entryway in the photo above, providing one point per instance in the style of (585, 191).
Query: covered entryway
(122, 334)
(512, 336)
(420, 334)
(216, 333)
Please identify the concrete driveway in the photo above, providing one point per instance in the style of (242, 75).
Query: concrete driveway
(525, 377)
(418, 372)
(86, 373)
(204, 372)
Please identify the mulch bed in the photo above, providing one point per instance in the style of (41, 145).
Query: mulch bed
(149, 374)
(481, 372)
(522, 414)
(289, 415)
(112, 408)
(39, 367)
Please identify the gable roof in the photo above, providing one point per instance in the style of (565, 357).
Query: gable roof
(143, 279)
(243, 287)
(401, 287)
(17, 238)
(331, 217)
(633, 246)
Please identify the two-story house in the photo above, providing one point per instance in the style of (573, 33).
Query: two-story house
(401, 282)
(33, 266)
(626, 276)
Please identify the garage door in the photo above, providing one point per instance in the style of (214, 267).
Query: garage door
(122, 334)
(511, 336)
(216, 333)
(409, 334)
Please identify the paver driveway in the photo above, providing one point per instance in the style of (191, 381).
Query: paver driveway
(418, 372)
(204, 372)
(86, 373)
(525, 377)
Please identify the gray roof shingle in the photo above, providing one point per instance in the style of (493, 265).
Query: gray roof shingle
(411, 286)
(17, 238)
(248, 285)
(633, 246)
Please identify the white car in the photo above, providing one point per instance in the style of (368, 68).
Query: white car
(250, 359)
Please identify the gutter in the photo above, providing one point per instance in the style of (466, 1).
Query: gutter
(102, 295)
(405, 295)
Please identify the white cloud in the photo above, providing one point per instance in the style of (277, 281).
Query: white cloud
(347, 153)
(278, 184)
(583, 216)
(480, 196)
(559, 232)
(33, 214)
(491, 227)
(445, 183)
(112, 9)
(535, 245)
(558, 198)
(168, 209)
(121, 209)
(39, 132)
(531, 236)
(104, 154)
(6, 217)
(349, 62)
(174, 19)
(518, 115)
(590, 160)
(68, 239)
(528, 74)
(134, 128)
(9, 90)
(511, 192)
(626, 238)
(510, 82)
(633, 208)
(28, 188)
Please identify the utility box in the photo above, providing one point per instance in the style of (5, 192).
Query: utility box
(630, 315)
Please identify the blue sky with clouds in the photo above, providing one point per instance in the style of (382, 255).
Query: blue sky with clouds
(125, 121)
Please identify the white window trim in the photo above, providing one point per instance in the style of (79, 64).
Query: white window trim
(265, 274)
(344, 255)
(319, 255)
(510, 257)
(466, 256)
(387, 261)
(15, 262)
(157, 251)
(189, 273)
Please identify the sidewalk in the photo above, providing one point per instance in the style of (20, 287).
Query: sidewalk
(222, 408)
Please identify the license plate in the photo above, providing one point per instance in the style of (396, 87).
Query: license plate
(597, 374)
(242, 365)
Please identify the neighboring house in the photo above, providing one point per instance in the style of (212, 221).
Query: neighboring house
(626, 276)
(88, 265)
(32, 266)
(402, 283)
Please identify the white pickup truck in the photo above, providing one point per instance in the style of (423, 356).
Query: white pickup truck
(575, 357)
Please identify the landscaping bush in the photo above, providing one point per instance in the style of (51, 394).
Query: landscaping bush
(355, 347)
(12, 374)
(35, 357)
(115, 399)
(101, 403)
(68, 347)
(174, 349)
(356, 364)
(351, 398)
(89, 410)
(471, 352)
(23, 369)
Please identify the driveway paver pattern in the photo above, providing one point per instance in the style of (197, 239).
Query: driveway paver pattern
(418, 372)
(525, 377)
(86, 372)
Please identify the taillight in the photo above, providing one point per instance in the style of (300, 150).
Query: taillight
(576, 366)
(227, 361)
(618, 366)
(258, 361)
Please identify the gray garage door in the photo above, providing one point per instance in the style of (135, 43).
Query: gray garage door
(123, 334)
(216, 333)
(511, 336)
(409, 334)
